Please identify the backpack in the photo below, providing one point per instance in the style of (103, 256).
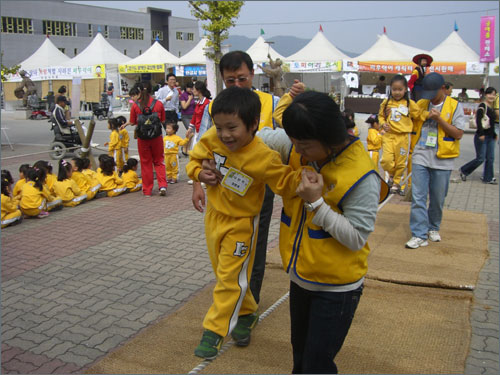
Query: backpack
(148, 123)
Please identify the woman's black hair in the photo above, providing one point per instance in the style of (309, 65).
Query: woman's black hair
(62, 90)
(201, 87)
(37, 175)
(107, 164)
(65, 169)
(314, 115)
(239, 101)
(398, 78)
(489, 90)
(134, 91)
(348, 116)
(86, 163)
(131, 163)
(7, 180)
(189, 84)
(114, 124)
(145, 90)
(44, 164)
(121, 120)
(23, 168)
(79, 164)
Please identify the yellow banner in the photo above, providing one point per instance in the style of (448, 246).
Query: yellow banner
(142, 68)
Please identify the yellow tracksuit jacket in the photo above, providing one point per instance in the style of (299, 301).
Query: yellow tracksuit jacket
(86, 184)
(114, 148)
(232, 217)
(374, 144)
(132, 181)
(33, 200)
(396, 142)
(18, 187)
(10, 211)
(69, 192)
(113, 184)
(171, 145)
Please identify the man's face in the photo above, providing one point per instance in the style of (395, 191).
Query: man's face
(423, 62)
(241, 77)
(171, 82)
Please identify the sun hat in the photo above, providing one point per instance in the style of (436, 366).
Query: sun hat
(431, 84)
(416, 59)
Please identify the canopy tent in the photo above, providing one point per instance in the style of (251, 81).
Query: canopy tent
(384, 49)
(46, 55)
(319, 49)
(409, 51)
(454, 49)
(156, 54)
(259, 50)
(196, 56)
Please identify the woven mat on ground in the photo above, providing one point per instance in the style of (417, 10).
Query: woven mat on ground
(397, 329)
(454, 262)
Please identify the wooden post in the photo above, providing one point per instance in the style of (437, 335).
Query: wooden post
(86, 150)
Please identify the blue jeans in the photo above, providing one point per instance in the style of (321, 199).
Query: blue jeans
(320, 322)
(432, 183)
(485, 152)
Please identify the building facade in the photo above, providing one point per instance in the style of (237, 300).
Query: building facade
(25, 25)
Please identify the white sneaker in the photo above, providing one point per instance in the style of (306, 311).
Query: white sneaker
(434, 236)
(416, 242)
(190, 182)
(163, 191)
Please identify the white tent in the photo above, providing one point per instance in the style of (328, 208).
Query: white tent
(409, 51)
(99, 51)
(384, 49)
(259, 50)
(317, 50)
(454, 49)
(156, 54)
(46, 55)
(196, 56)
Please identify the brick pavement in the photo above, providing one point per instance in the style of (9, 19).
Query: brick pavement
(83, 281)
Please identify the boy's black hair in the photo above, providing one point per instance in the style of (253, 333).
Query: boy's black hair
(121, 120)
(101, 157)
(107, 164)
(132, 162)
(174, 126)
(65, 168)
(232, 61)
(44, 164)
(79, 163)
(7, 180)
(315, 116)
(239, 101)
(23, 168)
(37, 175)
(113, 124)
(348, 116)
(86, 163)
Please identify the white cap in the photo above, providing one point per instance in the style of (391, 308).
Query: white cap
(110, 81)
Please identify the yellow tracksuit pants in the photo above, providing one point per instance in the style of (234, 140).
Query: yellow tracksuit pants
(124, 152)
(395, 153)
(231, 247)
(117, 155)
(374, 156)
(172, 166)
(11, 218)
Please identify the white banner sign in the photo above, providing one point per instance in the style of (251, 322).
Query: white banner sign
(60, 72)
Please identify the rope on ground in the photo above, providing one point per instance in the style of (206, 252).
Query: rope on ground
(231, 343)
(37, 153)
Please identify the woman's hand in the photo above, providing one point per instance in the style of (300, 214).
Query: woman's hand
(481, 138)
(310, 188)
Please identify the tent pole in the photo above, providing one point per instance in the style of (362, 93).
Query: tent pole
(486, 81)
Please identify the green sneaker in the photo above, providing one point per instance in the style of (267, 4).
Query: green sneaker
(210, 345)
(241, 333)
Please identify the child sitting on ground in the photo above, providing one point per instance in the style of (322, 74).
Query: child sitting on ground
(108, 177)
(66, 187)
(36, 199)
(86, 183)
(374, 139)
(11, 214)
(16, 193)
(171, 143)
(232, 215)
(129, 176)
(114, 144)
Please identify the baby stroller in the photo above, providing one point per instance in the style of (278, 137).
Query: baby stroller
(37, 108)
(64, 138)
(101, 109)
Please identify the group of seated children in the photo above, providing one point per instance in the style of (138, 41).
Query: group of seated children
(39, 191)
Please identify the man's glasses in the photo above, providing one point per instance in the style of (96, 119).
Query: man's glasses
(232, 81)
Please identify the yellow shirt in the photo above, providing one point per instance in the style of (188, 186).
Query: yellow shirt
(109, 182)
(89, 172)
(84, 182)
(49, 181)
(67, 189)
(130, 179)
(374, 140)
(124, 138)
(400, 119)
(114, 141)
(255, 163)
(172, 142)
(32, 197)
(9, 205)
(18, 187)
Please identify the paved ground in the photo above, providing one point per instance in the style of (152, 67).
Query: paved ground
(83, 281)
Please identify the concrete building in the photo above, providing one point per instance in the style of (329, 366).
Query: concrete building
(72, 27)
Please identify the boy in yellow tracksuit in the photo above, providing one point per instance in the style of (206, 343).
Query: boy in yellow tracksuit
(114, 144)
(171, 143)
(243, 165)
(374, 139)
(396, 117)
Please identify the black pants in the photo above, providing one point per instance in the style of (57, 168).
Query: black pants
(320, 322)
(259, 264)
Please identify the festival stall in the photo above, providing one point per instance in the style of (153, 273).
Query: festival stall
(193, 63)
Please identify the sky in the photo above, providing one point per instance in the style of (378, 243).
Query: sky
(350, 25)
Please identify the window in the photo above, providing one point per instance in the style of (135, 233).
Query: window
(190, 36)
(17, 25)
(90, 30)
(106, 31)
(156, 34)
(140, 52)
(125, 52)
(75, 51)
(131, 33)
(63, 50)
(60, 28)
(178, 35)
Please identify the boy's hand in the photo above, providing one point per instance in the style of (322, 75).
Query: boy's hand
(198, 197)
(310, 191)
(386, 127)
(208, 177)
(434, 114)
(297, 88)
(209, 165)
(106, 143)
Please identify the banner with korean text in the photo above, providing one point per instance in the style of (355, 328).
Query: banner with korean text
(408, 67)
(62, 72)
(141, 68)
(487, 39)
(312, 67)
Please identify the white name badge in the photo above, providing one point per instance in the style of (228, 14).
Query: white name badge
(431, 139)
(237, 181)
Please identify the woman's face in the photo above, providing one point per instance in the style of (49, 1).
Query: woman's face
(196, 92)
(189, 90)
(490, 98)
(311, 149)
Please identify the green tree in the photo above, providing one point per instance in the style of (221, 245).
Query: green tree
(217, 18)
(6, 70)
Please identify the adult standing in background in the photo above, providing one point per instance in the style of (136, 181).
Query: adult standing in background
(187, 108)
(423, 62)
(110, 90)
(171, 100)
(448, 88)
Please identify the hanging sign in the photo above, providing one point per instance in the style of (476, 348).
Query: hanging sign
(61, 72)
(141, 68)
(487, 39)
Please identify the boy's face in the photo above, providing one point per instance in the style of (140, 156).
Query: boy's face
(232, 131)
(310, 149)
(169, 129)
(241, 77)
(73, 164)
(439, 97)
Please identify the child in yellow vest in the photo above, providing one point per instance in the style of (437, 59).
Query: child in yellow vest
(244, 165)
(11, 214)
(66, 187)
(16, 193)
(396, 117)
(86, 183)
(108, 177)
(36, 199)
(171, 143)
(114, 144)
(129, 176)
(374, 139)
(124, 138)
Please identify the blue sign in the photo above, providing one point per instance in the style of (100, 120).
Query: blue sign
(195, 71)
